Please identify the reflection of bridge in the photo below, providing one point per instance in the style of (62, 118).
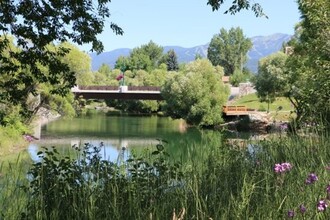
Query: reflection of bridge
(118, 143)
(138, 93)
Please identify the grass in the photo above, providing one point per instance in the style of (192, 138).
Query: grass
(228, 183)
(252, 101)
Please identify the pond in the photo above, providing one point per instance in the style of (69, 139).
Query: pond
(120, 136)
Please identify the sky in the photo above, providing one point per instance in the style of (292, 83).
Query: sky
(189, 23)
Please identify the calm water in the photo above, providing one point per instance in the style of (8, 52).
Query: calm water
(132, 133)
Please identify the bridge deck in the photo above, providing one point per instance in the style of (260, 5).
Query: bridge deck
(117, 93)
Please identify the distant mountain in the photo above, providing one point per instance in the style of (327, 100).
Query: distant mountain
(262, 46)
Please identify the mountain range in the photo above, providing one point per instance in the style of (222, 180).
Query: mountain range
(262, 46)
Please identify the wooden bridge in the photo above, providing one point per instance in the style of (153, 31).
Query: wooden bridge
(232, 110)
(139, 93)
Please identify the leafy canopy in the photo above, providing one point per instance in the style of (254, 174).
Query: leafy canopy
(308, 68)
(27, 30)
(229, 50)
(270, 80)
(196, 94)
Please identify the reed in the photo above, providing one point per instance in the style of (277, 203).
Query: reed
(284, 177)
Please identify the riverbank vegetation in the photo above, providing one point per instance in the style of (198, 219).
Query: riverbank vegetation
(270, 179)
(282, 177)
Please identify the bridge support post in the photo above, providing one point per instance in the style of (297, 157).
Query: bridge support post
(123, 88)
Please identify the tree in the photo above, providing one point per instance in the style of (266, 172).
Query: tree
(197, 94)
(123, 63)
(35, 25)
(172, 61)
(308, 68)
(78, 62)
(229, 50)
(146, 57)
(270, 81)
(105, 69)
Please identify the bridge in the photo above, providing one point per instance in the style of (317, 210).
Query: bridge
(138, 93)
(234, 110)
(115, 92)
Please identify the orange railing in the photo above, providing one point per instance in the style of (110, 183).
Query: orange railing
(234, 109)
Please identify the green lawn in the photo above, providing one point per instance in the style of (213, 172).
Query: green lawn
(252, 101)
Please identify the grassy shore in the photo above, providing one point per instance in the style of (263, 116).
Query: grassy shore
(251, 101)
(286, 177)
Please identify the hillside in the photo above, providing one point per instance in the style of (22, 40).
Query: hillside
(262, 46)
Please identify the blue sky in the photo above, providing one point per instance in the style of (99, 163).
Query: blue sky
(189, 23)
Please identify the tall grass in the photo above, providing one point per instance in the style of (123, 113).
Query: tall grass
(226, 182)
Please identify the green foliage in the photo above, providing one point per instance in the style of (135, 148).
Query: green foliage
(197, 94)
(11, 132)
(36, 25)
(172, 61)
(308, 68)
(237, 6)
(229, 50)
(230, 182)
(147, 57)
(270, 81)
(237, 78)
(92, 188)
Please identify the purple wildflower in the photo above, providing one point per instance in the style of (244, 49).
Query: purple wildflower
(322, 205)
(278, 168)
(328, 188)
(286, 166)
(291, 213)
(311, 178)
(283, 167)
(302, 208)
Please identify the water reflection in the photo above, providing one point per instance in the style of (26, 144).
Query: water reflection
(113, 150)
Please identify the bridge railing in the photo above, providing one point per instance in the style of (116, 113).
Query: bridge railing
(234, 108)
(130, 88)
(98, 87)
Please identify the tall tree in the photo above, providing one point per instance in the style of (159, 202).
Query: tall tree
(270, 81)
(172, 61)
(308, 68)
(229, 49)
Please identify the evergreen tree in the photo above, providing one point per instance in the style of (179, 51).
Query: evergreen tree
(172, 61)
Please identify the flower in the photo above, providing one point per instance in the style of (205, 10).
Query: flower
(311, 178)
(328, 188)
(283, 167)
(119, 77)
(286, 166)
(302, 208)
(278, 168)
(291, 213)
(322, 205)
